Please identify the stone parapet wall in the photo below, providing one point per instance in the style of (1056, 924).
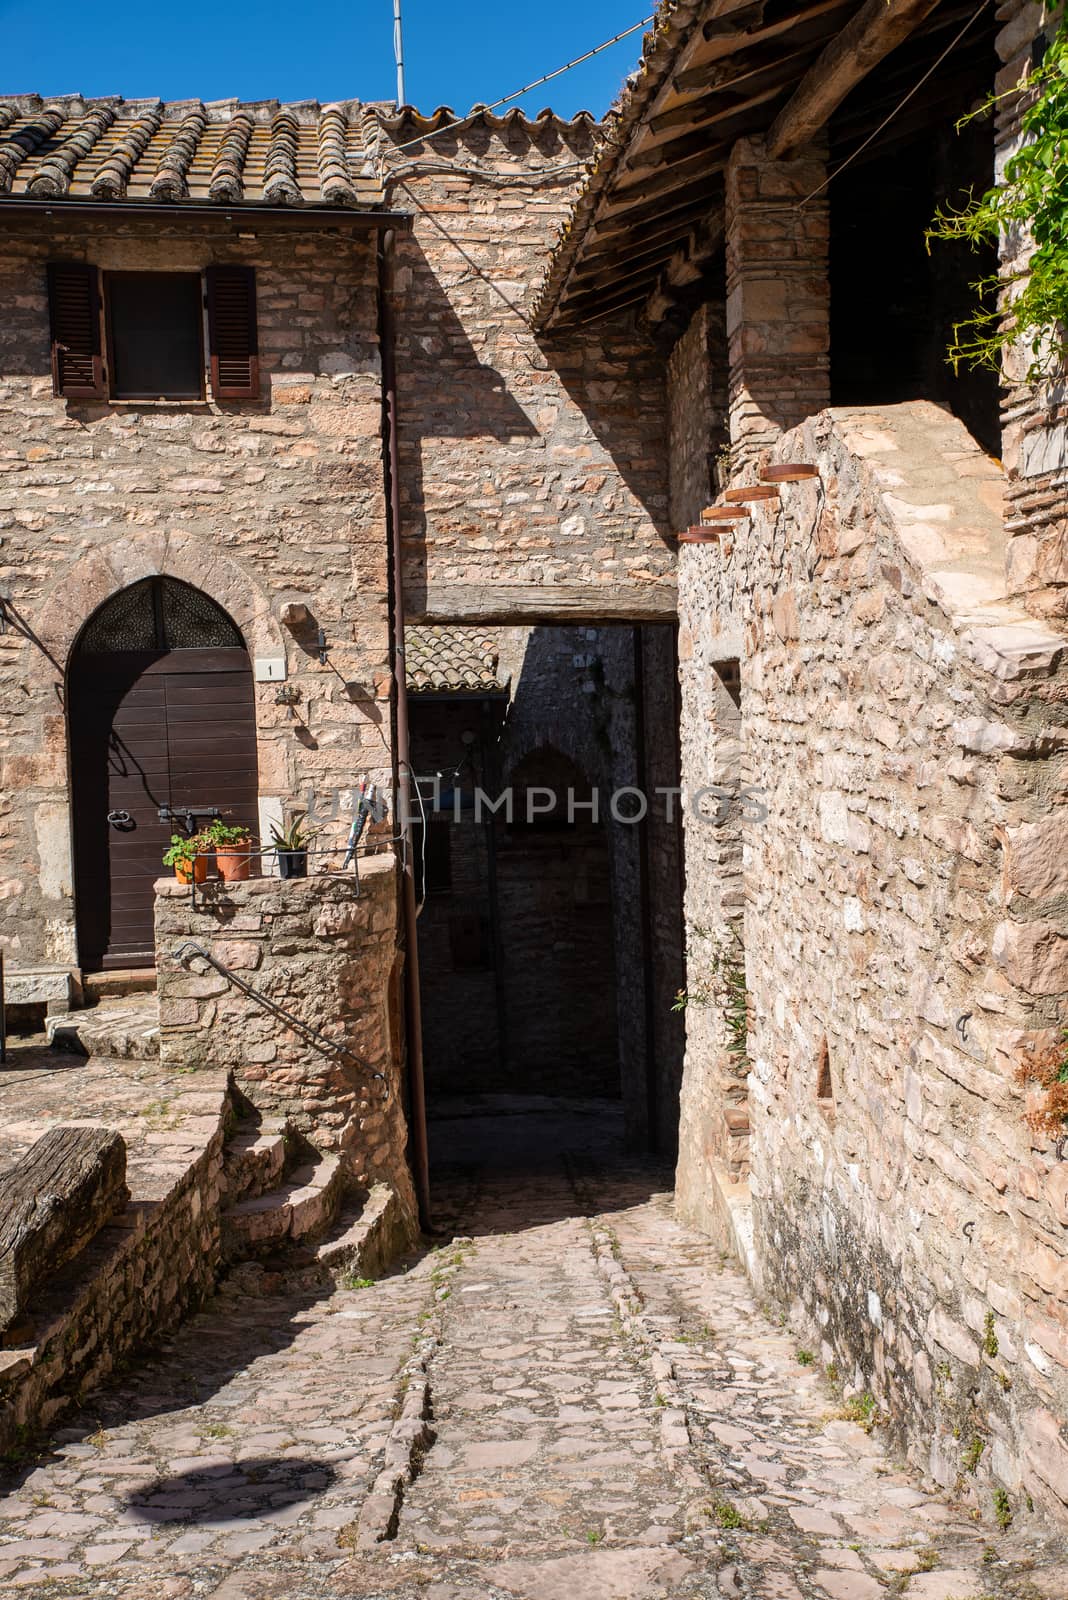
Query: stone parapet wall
(906, 939)
(1034, 417)
(324, 948)
(256, 502)
(140, 1275)
(533, 472)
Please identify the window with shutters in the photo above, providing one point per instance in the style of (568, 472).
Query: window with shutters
(152, 327)
(155, 335)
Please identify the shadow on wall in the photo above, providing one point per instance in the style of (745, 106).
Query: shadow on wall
(504, 440)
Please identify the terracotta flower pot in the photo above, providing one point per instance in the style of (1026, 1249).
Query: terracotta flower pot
(233, 861)
(194, 871)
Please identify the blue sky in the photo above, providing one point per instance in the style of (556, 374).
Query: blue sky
(455, 54)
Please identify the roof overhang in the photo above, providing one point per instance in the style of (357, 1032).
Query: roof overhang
(233, 218)
(648, 223)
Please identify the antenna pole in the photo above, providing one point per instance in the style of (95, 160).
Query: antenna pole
(398, 51)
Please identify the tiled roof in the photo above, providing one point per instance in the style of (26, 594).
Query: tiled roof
(443, 659)
(223, 153)
(409, 120)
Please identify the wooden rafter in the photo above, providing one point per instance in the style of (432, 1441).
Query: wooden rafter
(876, 29)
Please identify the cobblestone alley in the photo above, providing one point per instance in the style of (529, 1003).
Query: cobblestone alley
(575, 1397)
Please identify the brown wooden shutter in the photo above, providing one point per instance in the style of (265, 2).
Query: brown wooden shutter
(235, 364)
(74, 315)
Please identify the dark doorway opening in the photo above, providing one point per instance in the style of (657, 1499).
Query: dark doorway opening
(894, 302)
(161, 720)
(550, 929)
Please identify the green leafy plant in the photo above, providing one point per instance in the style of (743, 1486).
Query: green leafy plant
(184, 848)
(1002, 1508)
(727, 991)
(990, 1338)
(222, 833)
(862, 1409)
(805, 1358)
(725, 1515)
(973, 1454)
(1031, 197)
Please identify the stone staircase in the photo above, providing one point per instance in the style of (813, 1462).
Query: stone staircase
(278, 1193)
(286, 1207)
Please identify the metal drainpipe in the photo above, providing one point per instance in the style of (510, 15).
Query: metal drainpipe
(413, 1012)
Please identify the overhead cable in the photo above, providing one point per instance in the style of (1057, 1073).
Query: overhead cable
(519, 93)
(931, 70)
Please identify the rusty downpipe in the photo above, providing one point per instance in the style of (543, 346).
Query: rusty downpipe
(413, 1029)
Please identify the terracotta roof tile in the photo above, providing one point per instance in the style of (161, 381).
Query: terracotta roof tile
(442, 659)
(224, 153)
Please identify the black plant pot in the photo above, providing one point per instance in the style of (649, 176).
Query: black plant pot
(292, 863)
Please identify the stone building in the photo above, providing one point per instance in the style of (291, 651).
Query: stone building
(868, 604)
(514, 377)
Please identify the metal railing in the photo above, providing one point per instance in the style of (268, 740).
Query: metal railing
(318, 1041)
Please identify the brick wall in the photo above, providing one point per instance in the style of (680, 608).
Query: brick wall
(255, 502)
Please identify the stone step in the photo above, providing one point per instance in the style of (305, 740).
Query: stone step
(127, 1031)
(294, 1212)
(254, 1158)
(369, 1235)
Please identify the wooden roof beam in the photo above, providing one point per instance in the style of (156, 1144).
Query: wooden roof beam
(876, 29)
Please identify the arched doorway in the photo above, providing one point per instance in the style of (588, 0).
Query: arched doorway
(162, 720)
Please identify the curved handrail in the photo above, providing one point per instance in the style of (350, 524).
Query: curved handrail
(318, 1041)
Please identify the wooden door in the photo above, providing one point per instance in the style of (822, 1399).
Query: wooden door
(151, 731)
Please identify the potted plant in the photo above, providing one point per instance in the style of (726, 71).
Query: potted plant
(233, 849)
(188, 856)
(291, 847)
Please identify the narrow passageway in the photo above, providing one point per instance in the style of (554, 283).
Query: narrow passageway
(572, 1394)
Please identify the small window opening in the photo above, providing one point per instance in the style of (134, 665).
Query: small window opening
(156, 333)
(824, 1082)
(729, 674)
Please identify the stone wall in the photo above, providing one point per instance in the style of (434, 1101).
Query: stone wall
(255, 502)
(140, 1275)
(1034, 418)
(533, 475)
(697, 413)
(324, 948)
(905, 939)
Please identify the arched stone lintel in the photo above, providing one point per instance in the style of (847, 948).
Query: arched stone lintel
(103, 571)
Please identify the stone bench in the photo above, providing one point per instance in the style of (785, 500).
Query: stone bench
(56, 988)
(52, 1203)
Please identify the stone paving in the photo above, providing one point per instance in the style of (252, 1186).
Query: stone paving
(574, 1396)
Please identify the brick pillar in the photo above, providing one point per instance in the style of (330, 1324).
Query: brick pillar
(778, 296)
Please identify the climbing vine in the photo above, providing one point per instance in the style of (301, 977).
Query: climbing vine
(1031, 196)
